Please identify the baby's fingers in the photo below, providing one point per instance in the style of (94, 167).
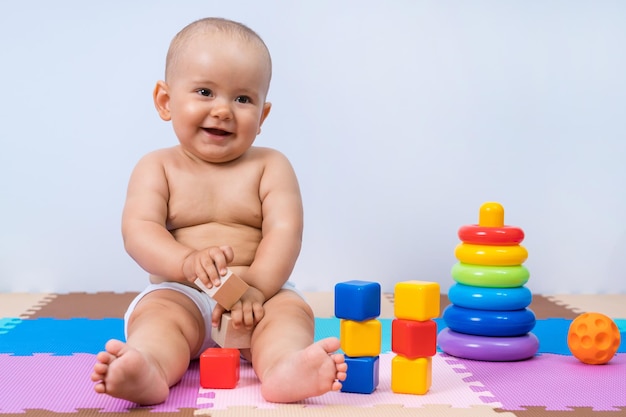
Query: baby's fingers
(259, 312)
(216, 315)
(213, 266)
(236, 315)
(228, 252)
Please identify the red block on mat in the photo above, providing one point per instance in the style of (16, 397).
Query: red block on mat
(414, 339)
(219, 368)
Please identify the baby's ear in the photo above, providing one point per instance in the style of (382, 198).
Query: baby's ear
(161, 98)
(266, 111)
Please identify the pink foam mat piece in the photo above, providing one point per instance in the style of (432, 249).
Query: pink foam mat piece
(448, 387)
(553, 381)
(62, 384)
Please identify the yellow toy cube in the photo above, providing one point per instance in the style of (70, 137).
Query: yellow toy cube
(360, 338)
(411, 376)
(416, 300)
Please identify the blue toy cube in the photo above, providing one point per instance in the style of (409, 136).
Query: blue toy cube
(357, 300)
(362, 376)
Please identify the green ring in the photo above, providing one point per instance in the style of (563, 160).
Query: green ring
(490, 276)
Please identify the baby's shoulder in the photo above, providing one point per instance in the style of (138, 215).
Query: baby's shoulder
(266, 155)
(160, 157)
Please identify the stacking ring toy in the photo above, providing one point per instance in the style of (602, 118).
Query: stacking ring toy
(481, 235)
(490, 229)
(490, 255)
(491, 214)
(492, 349)
(480, 298)
(490, 276)
(489, 323)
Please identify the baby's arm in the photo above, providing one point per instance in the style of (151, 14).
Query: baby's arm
(144, 227)
(282, 227)
(280, 245)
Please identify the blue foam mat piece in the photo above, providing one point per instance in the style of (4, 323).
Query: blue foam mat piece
(7, 324)
(64, 337)
(61, 337)
(552, 333)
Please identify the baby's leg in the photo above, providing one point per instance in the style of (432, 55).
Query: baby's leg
(164, 330)
(290, 366)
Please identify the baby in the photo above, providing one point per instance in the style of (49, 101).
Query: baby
(215, 201)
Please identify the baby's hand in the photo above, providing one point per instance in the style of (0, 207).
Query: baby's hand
(208, 264)
(248, 311)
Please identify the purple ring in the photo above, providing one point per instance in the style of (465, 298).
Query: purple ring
(484, 348)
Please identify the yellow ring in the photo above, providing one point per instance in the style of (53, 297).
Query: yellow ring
(490, 255)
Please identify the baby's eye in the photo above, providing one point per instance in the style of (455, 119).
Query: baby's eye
(205, 92)
(243, 99)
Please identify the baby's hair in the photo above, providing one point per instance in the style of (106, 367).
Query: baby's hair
(212, 24)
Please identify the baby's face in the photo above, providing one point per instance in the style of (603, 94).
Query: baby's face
(217, 92)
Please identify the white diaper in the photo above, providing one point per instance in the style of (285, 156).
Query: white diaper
(204, 303)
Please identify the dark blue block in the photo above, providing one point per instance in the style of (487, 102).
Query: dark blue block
(357, 300)
(489, 323)
(362, 375)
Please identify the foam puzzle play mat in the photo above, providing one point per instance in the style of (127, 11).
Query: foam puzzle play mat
(48, 344)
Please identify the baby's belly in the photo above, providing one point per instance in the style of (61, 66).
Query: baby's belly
(243, 239)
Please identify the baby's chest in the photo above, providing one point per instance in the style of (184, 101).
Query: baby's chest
(223, 200)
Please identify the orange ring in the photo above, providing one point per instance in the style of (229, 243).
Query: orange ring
(484, 235)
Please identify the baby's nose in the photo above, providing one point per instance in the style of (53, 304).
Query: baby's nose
(221, 109)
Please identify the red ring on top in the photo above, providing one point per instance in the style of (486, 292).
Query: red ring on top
(483, 235)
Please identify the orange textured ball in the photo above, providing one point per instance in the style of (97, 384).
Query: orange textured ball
(593, 338)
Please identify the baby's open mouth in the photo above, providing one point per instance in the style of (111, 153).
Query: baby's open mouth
(217, 132)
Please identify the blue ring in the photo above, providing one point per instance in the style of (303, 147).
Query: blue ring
(492, 349)
(483, 298)
(489, 323)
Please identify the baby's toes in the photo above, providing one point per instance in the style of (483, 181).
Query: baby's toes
(100, 368)
(338, 358)
(104, 358)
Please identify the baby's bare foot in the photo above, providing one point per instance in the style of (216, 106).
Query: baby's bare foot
(124, 372)
(307, 373)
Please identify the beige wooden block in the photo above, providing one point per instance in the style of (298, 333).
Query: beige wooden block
(229, 291)
(228, 337)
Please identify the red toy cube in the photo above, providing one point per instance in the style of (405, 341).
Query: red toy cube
(219, 368)
(414, 339)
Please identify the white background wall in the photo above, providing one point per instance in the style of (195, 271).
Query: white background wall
(399, 117)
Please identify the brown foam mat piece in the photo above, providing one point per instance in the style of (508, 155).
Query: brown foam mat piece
(113, 305)
(574, 412)
(612, 305)
(23, 305)
(101, 305)
(545, 308)
(347, 411)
